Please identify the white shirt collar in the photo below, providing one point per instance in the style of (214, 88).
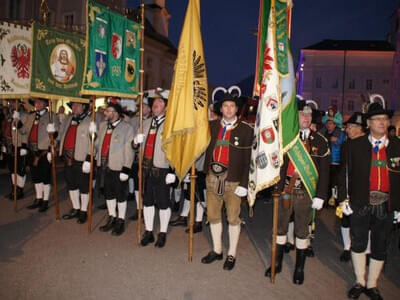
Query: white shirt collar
(384, 141)
(228, 125)
(305, 133)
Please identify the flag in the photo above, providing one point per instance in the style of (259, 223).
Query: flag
(186, 132)
(15, 60)
(112, 61)
(57, 63)
(277, 125)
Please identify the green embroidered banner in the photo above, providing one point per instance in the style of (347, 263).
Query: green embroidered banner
(305, 166)
(57, 63)
(282, 37)
(113, 54)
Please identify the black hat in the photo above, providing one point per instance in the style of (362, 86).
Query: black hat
(117, 107)
(85, 105)
(228, 97)
(377, 109)
(356, 118)
(317, 116)
(303, 107)
(32, 101)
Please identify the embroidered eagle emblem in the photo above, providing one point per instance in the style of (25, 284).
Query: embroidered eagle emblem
(21, 60)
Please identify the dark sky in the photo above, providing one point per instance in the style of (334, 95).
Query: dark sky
(227, 26)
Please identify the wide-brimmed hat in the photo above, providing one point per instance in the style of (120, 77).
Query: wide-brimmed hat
(228, 95)
(85, 105)
(377, 109)
(357, 118)
(114, 102)
(32, 101)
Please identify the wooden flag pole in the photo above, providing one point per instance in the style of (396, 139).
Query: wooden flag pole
(15, 128)
(53, 164)
(92, 138)
(275, 197)
(140, 169)
(191, 212)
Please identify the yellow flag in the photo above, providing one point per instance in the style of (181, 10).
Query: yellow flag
(186, 133)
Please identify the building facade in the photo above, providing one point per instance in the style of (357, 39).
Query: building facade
(344, 73)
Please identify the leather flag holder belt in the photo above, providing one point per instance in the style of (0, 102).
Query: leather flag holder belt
(220, 171)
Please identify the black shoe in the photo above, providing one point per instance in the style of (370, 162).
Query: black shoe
(180, 221)
(135, 216)
(310, 251)
(161, 239)
(211, 257)
(82, 217)
(102, 206)
(288, 247)
(176, 206)
(279, 258)
(346, 256)
(73, 213)
(229, 263)
(356, 291)
(119, 227)
(109, 225)
(197, 227)
(373, 293)
(147, 238)
(20, 194)
(43, 206)
(35, 204)
(298, 275)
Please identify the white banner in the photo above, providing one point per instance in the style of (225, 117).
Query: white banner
(15, 60)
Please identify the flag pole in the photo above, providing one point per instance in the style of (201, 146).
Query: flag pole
(275, 197)
(92, 138)
(15, 127)
(140, 169)
(191, 212)
(53, 164)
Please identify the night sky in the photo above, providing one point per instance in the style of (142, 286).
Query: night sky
(228, 25)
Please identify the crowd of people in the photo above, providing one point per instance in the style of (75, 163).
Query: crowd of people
(358, 164)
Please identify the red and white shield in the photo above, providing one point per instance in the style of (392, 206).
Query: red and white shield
(116, 46)
(268, 135)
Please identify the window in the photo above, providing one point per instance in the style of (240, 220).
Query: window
(318, 83)
(385, 81)
(69, 20)
(369, 84)
(352, 84)
(350, 105)
(335, 84)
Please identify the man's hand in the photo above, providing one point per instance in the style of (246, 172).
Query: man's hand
(49, 157)
(50, 128)
(92, 128)
(16, 115)
(23, 152)
(317, 203)
(86, 167)
(139, 138)
(241, 191)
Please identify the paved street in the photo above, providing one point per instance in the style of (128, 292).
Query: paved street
(41, 258)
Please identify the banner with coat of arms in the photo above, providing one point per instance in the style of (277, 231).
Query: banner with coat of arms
(15, 60)
(113, 54)
(57, 63)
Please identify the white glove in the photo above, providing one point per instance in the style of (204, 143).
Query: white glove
(241, 191)
(49, 156)
(3, 149)
(16, 115)
(50, 128)
(139, 138)
(23, 152)
(397, 216)
(346, 209)
(123, 176)
(86, 167)
(170, 178)
(317, 203)
(92, 128)
(187, 178)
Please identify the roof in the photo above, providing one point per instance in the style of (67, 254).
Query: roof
(354, 45)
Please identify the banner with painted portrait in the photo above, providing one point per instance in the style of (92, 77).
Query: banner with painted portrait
(15, 60)
(113, 54)
(57, 63)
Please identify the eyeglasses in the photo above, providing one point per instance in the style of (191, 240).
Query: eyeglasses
(380, 119)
